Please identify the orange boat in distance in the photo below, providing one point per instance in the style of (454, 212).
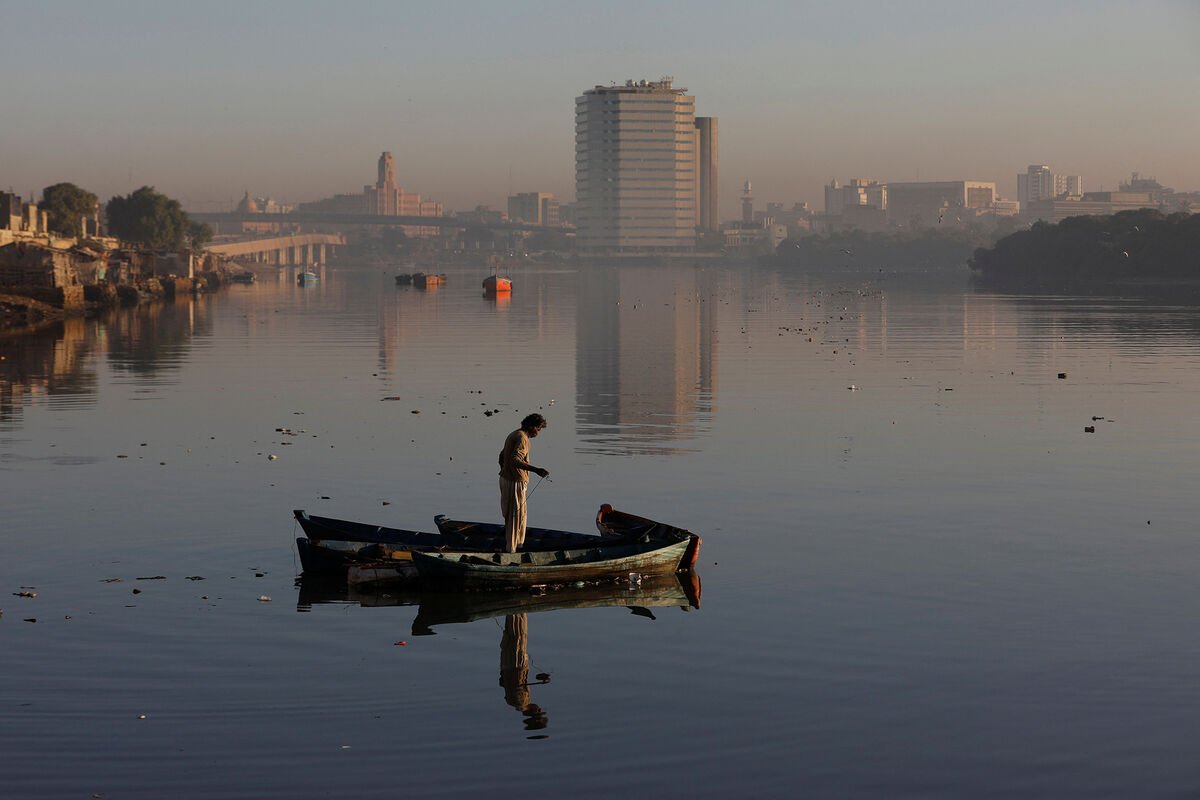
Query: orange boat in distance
(497, 284)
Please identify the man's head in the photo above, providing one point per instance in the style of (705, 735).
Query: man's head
(533, 423)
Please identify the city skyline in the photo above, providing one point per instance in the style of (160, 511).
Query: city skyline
(290, 100)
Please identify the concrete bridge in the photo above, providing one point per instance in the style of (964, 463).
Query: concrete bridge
(235, 219)
(303, 248)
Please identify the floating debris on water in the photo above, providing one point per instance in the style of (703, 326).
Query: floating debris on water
(24, 594)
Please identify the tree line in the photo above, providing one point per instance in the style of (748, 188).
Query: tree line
(1129, 247)
(144, 218)
(922, 249)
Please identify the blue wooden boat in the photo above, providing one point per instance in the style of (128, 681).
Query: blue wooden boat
(332, 545)
(307, 278)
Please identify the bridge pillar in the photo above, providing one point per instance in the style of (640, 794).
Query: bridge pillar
(321, 249)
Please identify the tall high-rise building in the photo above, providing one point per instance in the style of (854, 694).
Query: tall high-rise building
(708, 217)
(636, 171)
(1039, 183)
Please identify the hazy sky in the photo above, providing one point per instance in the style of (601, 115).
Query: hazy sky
(297, 99)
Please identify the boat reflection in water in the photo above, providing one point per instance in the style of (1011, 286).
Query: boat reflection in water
(434, 609)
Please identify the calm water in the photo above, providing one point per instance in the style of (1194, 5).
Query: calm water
(932, 584)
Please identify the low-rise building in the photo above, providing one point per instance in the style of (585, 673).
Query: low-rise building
(926, 204)
(1089, 204)
(535, 208)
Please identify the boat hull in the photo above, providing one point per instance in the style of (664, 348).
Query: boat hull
(495, 284)
(366, 553)
(564, 566)
(423, 280)
(331, 546)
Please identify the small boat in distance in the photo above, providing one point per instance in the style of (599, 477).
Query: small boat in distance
(497, 284)
(307, 278)
(424, 281)
(243, 277)
(404, 279)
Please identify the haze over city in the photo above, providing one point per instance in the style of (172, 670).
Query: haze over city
(476, 101)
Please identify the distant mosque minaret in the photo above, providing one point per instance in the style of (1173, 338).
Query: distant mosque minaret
(747, 203)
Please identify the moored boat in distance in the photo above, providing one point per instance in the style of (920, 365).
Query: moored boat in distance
(423, 280)
(497, 284)
(307, 278)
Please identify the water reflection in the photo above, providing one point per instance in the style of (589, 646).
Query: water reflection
(645, 347)
(514, 671)
(148, 339)
(56, 361)
(435, 609)
(443, 608)
(50, 361)
(647, 340)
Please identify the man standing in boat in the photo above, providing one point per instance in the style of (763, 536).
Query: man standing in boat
(514, 478)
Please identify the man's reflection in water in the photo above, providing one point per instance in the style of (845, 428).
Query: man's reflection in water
(514, 671)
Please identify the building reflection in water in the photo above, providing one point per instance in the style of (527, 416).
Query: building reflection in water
(646, 376)
(50, 362)
(57, 362)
